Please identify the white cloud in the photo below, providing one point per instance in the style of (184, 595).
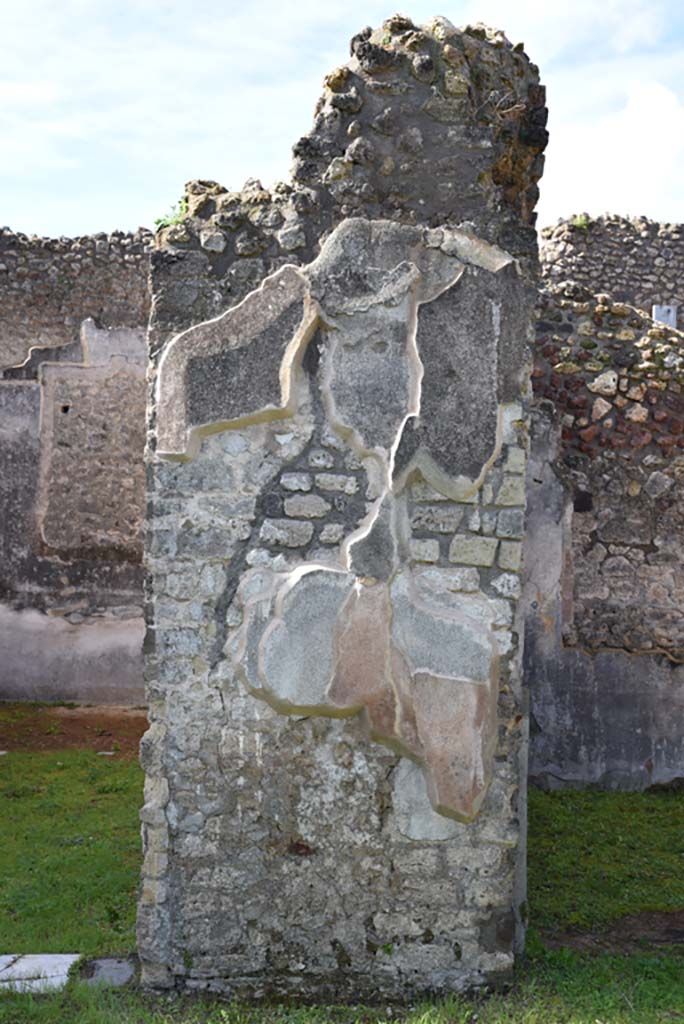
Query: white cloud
(628, 161)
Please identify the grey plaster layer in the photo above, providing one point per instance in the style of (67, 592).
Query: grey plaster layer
(46, 657)
(596, 723)
(206, 377)
(443, 639)
(374, 553)
(297, 651)
(224, 386)
(456, 376)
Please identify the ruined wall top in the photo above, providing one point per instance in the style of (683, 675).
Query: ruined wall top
(425, 125)
(48, 286)
(635, 259)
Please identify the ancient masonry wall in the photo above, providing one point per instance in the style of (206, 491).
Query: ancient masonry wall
(635, 259)
(605, 545)
(73, 355)
(347, 442)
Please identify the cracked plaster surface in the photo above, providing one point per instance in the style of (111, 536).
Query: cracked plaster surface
(413, 382)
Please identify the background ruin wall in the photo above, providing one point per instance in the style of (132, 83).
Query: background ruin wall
(72, 489)
(604, 561)
(291, 853)
(73, 356)
(634, 259)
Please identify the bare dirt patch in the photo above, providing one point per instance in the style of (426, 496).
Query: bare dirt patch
(634, 933)
(61, 727)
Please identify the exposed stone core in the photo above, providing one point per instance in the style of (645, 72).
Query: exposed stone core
(337, 443)
(425, 125)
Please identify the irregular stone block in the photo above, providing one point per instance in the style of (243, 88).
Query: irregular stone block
(437, 518)
(296, 481)
(510, 523)
(332, 533)
(308, 506)
(510, 555)
(469, 549)
(425, 550)
(289, 532)
(512, 491)
(337, 482)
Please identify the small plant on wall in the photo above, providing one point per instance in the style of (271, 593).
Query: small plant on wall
(176, 214)
(582, 222)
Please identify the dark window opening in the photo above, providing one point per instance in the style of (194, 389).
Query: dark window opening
(583, 501)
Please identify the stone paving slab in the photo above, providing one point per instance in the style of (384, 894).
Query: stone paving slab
(111, 971)
(35, 972)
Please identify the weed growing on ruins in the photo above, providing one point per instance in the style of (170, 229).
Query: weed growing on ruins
(596, 856)
(176, 214)
(582, 222)
(69, 852)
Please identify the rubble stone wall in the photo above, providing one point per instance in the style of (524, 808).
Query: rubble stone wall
(636, 260)
(72, 492)
(605, 544)
(338, 430)
(48, 286)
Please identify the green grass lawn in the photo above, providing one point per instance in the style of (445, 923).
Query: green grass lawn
(69, 852)
(560, 988)
(69, 862)
(594, 857)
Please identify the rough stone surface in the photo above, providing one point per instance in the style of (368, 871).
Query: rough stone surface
(635, 260)
(48, 286)
(110, 971)
(289, 721)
